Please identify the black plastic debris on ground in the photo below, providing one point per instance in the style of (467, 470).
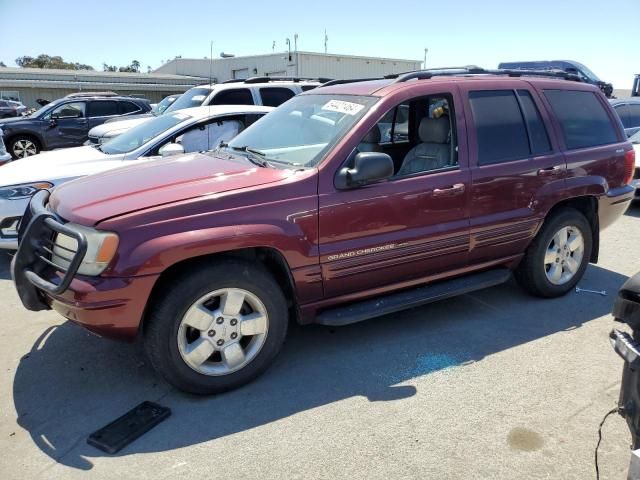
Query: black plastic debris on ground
(124, 430)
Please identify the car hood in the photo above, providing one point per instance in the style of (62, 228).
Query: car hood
(92, 199)
(58, 165)
(10, 122)
(123, 125)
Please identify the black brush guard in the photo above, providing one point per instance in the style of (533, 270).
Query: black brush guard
(33, 268)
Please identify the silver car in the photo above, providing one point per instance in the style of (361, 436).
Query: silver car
(4, 155)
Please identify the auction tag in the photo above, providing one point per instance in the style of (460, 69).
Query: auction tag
(341, 106)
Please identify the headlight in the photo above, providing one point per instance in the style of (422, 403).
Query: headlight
(101, 248)
(18, 192)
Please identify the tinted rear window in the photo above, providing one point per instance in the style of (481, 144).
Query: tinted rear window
(128, 107)
(584, 120)
(500, 128)
(634, 115)
(275, 96)
(102, 108)
(537, 131)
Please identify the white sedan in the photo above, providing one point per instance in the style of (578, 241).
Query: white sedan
(189, 130)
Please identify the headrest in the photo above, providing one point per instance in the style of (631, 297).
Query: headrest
(434, 130)
(373, 136)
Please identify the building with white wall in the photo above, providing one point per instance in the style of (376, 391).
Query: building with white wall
(295, 64)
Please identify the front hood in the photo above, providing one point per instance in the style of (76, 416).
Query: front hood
(92, 199)
(11, 122)
(58, 165)
(122, 125)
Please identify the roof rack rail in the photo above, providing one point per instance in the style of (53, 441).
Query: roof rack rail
(475, 70)
(92, 94)
(267, 79)
(352, 80)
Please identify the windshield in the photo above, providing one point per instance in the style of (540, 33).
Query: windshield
(138, 136)
(635, 138)
(586, 71)
(46, 109)
(164, 104)
(303, 129)
(191, 98)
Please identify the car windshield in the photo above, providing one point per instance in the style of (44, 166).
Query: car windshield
(586, 71)
(635, 138)
(164, 104)
(302, 130)
(191, 98)
(138, 136)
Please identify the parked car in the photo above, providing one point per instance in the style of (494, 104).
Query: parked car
(569, 66)
(4, 155)
(635, 141)
(65, 122)
(305, 215)
(628, 109)
(190, 130)
(9, 109)
(266, 91)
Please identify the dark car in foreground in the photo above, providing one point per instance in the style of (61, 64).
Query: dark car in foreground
(65, 122)
(569, 66)
(309, 215)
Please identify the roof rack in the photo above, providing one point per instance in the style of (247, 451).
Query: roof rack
(266, 79)
(352, 80)
(92, 94)
(475, 70)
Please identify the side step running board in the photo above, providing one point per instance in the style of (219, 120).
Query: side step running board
(394, 302)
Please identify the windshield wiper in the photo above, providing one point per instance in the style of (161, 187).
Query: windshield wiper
(254, 156)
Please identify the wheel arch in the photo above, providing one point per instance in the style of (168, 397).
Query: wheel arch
(269, 257)
(588, 206)
(24, 133)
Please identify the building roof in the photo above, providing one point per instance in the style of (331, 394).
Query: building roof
(126, 77)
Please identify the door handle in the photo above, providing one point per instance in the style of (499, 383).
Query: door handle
(548, 171)
(449, 191)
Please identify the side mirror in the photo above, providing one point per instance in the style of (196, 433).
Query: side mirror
(368, 167)
(171, 149)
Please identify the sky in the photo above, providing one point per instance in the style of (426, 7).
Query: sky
(461, 32)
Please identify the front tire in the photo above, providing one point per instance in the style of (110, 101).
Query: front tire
(216, 328)
(23, 146)
(559, 255)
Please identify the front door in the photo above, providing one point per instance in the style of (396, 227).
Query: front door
(517, 169)
(412, 226)
(66, 126)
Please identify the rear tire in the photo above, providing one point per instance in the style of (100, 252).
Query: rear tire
(559, 255)
(216, 328)
(22, 146)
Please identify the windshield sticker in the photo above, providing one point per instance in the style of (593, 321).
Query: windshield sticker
(341, 106)
(197, 98)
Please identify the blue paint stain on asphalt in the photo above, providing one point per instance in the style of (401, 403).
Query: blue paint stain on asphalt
(426, 364)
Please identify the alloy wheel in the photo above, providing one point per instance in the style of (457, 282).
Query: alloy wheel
(24, 148)
(564, 255)
(223, 331)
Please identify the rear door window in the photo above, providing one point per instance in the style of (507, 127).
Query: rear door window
(275, 96)
(535, 126)
(235, 96)
(103, 108)
(500, 129)
(583, 118)
(128, 107)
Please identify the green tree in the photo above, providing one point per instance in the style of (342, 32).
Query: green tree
(46, 61)
(135, 65)
(2, 64)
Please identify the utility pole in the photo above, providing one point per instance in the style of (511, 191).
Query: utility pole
(424, 64)
(326, 39)
(273, 47)
(295, 42)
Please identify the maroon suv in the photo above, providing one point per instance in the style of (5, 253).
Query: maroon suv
(348, 202)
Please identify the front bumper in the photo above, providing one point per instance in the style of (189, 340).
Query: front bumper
(111, 307)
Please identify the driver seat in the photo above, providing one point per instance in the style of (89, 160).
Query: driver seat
(433, 152)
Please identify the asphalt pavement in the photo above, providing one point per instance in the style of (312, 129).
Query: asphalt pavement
(492, 385)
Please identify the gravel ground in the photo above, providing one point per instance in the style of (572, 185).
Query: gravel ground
(493, 385)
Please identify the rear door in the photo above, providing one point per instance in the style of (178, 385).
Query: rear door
(275, 96)
(100, 111)
(233, 96)
(517, 170)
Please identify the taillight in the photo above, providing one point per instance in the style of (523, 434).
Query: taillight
(629, 166)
